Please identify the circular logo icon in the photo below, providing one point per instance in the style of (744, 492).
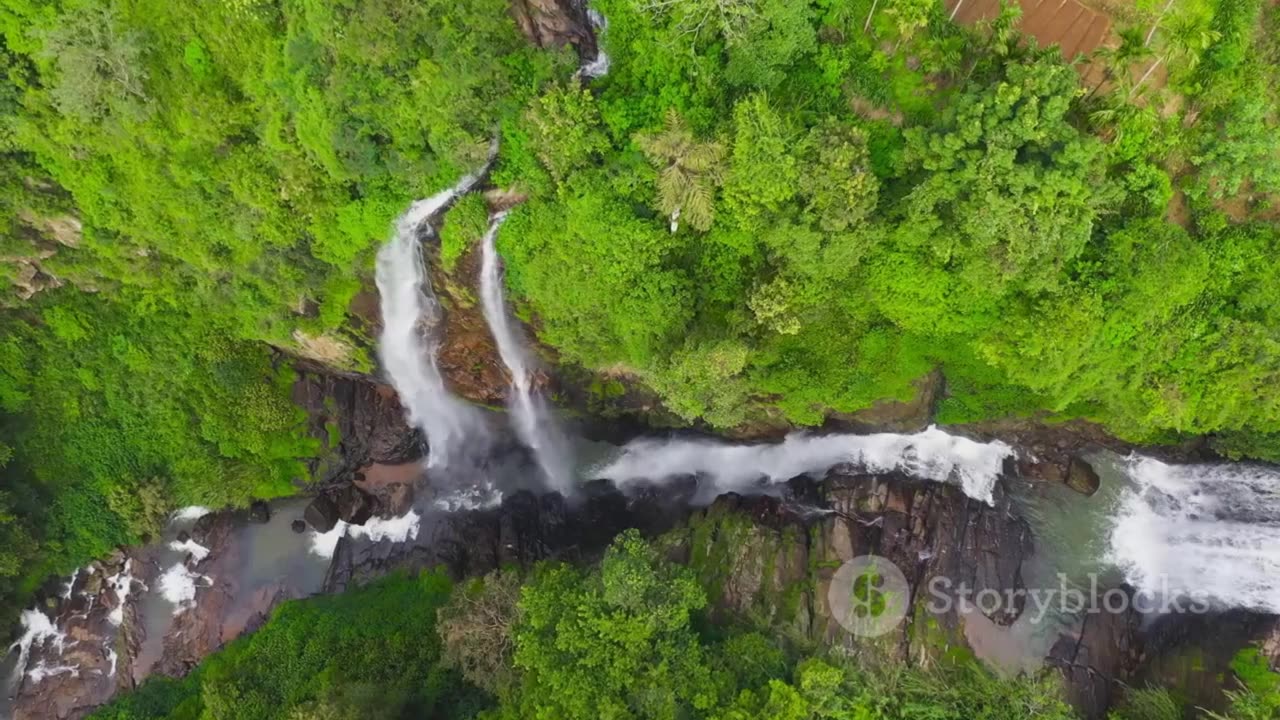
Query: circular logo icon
(868, 596)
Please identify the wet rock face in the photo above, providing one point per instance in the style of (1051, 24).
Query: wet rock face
(523, 530)
(359, 422)
(556, 23)
(1096, 659)
(66, 680)
(1065, 468)
(776, 558)
(321, 514)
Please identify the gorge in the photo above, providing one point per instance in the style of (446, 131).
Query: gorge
(938, 504)
(718, 300)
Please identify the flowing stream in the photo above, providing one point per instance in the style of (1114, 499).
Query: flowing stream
(535, 425)
(931, 454)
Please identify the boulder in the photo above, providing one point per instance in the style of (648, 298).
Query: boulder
(1081, 476)
(354, 505)
(259, 512)
(298, 526)
(321, 514)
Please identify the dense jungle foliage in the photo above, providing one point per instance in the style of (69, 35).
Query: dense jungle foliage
(766, 209)
(627, 639)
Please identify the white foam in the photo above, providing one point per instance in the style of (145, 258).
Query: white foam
(396, 529)
(43, 670)
(475, 497)
(197, 551)
(37, 630)
(122, 584)
(930, 454)
(111, 655)
(178, 585)
(1208, 531)
(71, 584)
(190, 513)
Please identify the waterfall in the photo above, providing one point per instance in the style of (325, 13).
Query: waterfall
(409, 340)
(534, 424)
(599, 65)
(1201, 531)
(931, 454)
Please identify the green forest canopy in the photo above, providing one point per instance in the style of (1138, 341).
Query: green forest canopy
(860, 192)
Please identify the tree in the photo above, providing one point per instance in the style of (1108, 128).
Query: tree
(612, 645)
(837, 178)
(1010, 189)
(776, 36)
(764, 173)
(728, 18)
(1185, 37)
(909, 17)
(565, 130)
(477, 630)
(688, 172)
(99, 64)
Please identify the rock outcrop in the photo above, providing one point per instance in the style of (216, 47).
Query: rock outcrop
(359, 422)
(524, 529)
(1097, 658)
(97, 612)
(775, 558)
(556, 23)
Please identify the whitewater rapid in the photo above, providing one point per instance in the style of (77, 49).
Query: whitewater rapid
(535, 425)
(930, 454)
(1208, 531)
(409, 341)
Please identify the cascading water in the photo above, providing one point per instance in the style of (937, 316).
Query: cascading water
(599, 65)
(1201, 531)
(408, 344)
(535, 425)
(931, 454)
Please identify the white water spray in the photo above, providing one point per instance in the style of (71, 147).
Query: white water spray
(397, 530)
(178, 585)
(37, 630)
(409, 342)
(599, 66)
(535, 425)
(931, 455)
(1201, 531)
(122, 585)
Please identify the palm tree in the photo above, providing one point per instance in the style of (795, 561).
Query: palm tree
(1185, 37)
(688, 171)
(1119, 60)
